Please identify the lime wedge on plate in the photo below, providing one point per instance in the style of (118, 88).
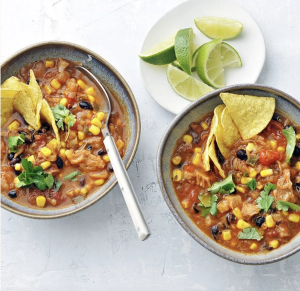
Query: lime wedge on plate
(184, 48)
(209, 64)
(219, 27)
(186, 85)
(161, 54)
(230, 56)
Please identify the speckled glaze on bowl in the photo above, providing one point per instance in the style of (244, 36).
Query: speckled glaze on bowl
(111, 79)
(285, 105)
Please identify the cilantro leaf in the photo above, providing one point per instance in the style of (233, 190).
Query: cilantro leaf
(49, 181)
(250, 233)
(61, 115)
(283, 205)
(57, 185)
(291, 142)
(208, 204)
(226, 186)
(15, 141)
(265, 201)
(71, 176)
(252, 184)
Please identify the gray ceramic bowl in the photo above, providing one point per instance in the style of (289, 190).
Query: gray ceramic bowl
(111, 79)
(285, 105)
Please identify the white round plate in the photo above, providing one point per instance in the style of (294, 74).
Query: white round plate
(249, 44)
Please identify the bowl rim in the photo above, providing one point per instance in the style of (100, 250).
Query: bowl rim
(161, 182)
(135, 110)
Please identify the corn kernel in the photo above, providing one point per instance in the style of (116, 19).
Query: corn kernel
(18, 167)
(250, 146)
(176, 160)
(81, 135)
(31, 159)
(95, 130)
(100, 116)
(106, 158)
(99, 182)
(177, 175)
(90, 91)
(68, 153)
(188, 139)
(245, 180)
(120, 144)
(237, 212)
(63, 144)
(49, 64)
(270, 221)
(197, 159)
(55, 84)
(185, 204)
(14, 125)
(273, 144)
(298, 136)
(16, 180)
(45, 165)
(204, 125)
(252, 173)
(80, 143)
(91, 98)
(281, 149)
(274, 244)
(297, 166)
(84, 191)
(81, 84)
(241, 224)
(40, 201)
(285, 213)
(253, 246)
(259, 186)
(294, 217)
(198, 150)
(48, 89)
(52, 143)
(266, 173)
(226, 234)
(62, 152)
(240, 189)
(64, 101)
(96, 122)
(46, 152)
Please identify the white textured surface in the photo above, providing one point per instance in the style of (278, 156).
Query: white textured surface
(97, 249)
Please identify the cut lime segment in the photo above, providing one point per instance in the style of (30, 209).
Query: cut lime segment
(230, 56)
(219, 27)
(209, 64)
(161, 54)
(186, 85)
(184, 48)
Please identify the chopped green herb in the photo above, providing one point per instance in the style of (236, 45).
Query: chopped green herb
(291, 142)
(245, 174)
(252, 184)
(72, 176)
(58, 184)
(250, 233)
(62, 115)
(15, 141)
(208, 204)
(283, 205)
(226, 186)
(265, 200)
(34, 175)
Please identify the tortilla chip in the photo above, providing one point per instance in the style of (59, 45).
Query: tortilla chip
(219, 134)
(205, 156)
(231, 132)
(37, 93)
(214, 158)
(251, 114)
(7, 99)
(47, 114)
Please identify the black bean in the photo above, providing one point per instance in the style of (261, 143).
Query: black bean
(241, 154)
(12, 194)
(89, 147)
(214, 231)
(230, 218)
(296, 151)
(59, 162)
(195, 207)
(297, 186)
(29, 140)
(109, 167)
(85, 105)
(15, 161)
(101, 152)
(82, 181)
(22, 132)
(10, 156)
(259, 221)
(18, 172)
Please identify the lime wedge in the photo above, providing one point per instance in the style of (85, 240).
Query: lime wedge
(219, 27)
(161, 54)
(209, 64)
(186, 85)
(230, 56)
(184, 48)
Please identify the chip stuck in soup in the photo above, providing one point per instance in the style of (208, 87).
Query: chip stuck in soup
(52, 151)
(241, 188)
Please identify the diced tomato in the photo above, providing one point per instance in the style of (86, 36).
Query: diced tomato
(74, 127)
(189, 168)
(274, 131)
(272, 233)
(268, 157)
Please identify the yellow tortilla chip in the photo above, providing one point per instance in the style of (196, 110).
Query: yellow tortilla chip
(214, 158)
(37, 93)
(7, 99)
(251, 114)
(231, 132)
(47, 114)
(219, 133)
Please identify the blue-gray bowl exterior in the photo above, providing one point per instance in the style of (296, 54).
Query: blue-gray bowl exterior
(111, 79)
(285, 105)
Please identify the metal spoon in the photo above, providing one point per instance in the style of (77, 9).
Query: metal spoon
(117, 163)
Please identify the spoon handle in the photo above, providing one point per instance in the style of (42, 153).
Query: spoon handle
(126, 188)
